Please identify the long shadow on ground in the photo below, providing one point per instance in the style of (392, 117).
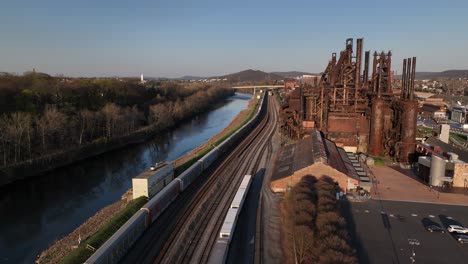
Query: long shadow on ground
(356, 242)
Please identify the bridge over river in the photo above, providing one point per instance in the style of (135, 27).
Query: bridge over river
(258, 87)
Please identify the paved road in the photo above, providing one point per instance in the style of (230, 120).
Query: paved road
(382, 231)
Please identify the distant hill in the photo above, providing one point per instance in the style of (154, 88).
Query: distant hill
(292, 74)
(251, 75)
(443, 74)
(187, 78)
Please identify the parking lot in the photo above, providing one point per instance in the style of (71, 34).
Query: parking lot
(390, 231)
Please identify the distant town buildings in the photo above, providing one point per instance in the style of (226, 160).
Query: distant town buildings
(290, 83)
(210, 80)
(459, 114)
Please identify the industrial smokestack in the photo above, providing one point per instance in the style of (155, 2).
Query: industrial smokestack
(379, 84)
(403, 80)
(374, 73)
(365, 78)
(408, 77)
(357, 78)
(413, 76)
(389, 67)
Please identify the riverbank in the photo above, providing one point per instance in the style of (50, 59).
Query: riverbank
(46, 163)
(62, 247)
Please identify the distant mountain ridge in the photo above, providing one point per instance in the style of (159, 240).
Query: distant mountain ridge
(188, 78)
(251, 75)
(258, 76)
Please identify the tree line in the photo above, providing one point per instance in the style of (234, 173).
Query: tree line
(315, 230)
(42, 115)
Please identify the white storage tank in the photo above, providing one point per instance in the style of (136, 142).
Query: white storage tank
(150, 182)
(437, 173)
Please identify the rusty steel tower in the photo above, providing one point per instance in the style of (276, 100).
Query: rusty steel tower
(357, 111)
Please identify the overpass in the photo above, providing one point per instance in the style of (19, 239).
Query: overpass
(257, 86)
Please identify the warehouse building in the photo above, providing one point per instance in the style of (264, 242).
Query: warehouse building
(317, 156)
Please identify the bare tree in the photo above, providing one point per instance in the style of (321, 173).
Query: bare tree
(87, 120)
(161, 115)
(51, 123)
(15, 128)
(111, 114)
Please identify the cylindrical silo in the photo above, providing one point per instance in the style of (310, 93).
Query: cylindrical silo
(437, 171)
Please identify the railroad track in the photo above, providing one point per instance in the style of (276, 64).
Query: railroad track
(197, 229)
(153, 244)
(264, 154)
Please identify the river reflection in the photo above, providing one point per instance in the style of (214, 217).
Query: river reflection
(37, 211)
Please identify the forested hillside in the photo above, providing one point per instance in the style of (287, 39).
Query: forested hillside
(41, 115)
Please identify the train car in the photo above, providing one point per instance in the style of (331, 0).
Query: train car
(189, 175)
(220, 249)
(209, 158)
(235, 137)
(162, 200)
(152, 181)
(226, 145)
(119, 243)
(168, 179)
(221, 246)
(229, 224)
(239, 199)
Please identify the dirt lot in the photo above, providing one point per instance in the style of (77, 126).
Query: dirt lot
(63, 246)
(394, 183)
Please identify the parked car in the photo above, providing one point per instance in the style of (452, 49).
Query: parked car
(457, 229)
(434, 228)
(462, 238)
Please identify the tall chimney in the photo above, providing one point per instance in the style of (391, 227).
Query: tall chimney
(403, 80)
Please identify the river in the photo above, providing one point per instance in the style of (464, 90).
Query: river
(38, 211)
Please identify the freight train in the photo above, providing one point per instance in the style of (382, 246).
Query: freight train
(119, 243)
(220, 250)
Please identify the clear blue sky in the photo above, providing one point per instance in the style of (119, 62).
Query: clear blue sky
(173, 38)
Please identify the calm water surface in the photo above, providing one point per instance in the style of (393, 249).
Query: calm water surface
(36, 212)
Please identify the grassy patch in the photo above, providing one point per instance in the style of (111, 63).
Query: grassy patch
(379, 162)
(459, 137)
(425, 129)
(81, 254)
